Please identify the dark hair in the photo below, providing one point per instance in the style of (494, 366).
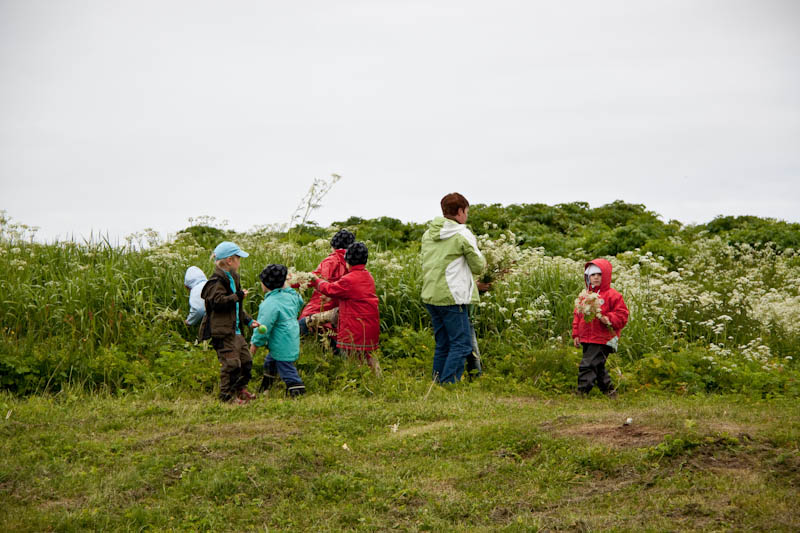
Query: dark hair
(342, 239)
(357, 254)
(452, 202)
(274, 276)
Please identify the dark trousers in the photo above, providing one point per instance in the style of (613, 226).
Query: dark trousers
(287, 372)
(593, 368)
(451, 330)
(236, 365)
(474, 367)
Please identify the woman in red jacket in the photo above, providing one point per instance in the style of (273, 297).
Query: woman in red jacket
(600, 335)
(359, 322)
(331, 268)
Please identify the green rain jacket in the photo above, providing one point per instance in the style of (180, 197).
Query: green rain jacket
(450, 258)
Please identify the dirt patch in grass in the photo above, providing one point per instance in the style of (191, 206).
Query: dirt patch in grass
(752, 459)
(614, 435)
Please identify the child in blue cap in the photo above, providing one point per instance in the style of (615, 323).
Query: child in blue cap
(225, 314)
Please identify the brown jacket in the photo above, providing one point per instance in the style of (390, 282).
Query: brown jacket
(220, 319)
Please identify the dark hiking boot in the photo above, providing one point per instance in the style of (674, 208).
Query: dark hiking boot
(295, 391)
(266, 383)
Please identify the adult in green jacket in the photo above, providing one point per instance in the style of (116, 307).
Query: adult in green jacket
(450, 260)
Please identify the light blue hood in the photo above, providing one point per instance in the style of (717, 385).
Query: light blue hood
(193, 277)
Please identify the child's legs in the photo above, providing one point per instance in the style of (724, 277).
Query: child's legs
(245, 363)
(441, 338)
(270, 373)
(288, 373)
(456, 322)
(587, 370)
(603, 379)
(474, 358)
(230, 366)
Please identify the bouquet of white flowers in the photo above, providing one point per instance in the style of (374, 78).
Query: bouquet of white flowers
(588, 304)
(300, 278)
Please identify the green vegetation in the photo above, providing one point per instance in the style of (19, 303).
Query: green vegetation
(470, 457)
(709, 313)
(109, 418)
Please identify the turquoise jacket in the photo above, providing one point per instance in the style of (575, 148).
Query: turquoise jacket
(278, 312)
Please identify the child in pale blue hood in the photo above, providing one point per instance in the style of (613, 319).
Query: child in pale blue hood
(194, 280)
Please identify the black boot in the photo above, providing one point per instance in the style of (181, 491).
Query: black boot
(270, 375)
(295, 391)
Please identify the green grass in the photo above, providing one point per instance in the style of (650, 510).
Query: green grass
(462, 458)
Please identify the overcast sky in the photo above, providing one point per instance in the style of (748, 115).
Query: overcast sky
(121, 115)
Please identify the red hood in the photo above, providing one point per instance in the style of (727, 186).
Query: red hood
(605, 268)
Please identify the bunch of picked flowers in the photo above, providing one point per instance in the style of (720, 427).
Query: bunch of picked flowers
(300, 278)
(588, 304)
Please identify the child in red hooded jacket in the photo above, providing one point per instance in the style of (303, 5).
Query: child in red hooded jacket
(359, 326)
(599, 336)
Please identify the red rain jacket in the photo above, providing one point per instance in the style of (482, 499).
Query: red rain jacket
(359, 321)
(613, 308)
(331, 268)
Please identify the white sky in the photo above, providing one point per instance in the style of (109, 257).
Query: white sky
(117, 116)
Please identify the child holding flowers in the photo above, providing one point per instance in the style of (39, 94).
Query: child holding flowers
(332, 268)
(359, 321)
(600, 314)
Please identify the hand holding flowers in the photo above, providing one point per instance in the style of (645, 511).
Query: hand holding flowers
(589, 304)
(301, 279)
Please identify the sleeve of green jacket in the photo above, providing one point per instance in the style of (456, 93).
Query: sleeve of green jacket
(475, 259)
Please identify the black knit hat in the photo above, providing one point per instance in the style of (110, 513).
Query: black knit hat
(357, 254)
(342, 239)
(274, 276)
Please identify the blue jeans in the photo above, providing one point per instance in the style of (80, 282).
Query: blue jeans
(285, 369)
(453, 335)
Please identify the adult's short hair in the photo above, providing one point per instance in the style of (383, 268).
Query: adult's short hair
(452, 202)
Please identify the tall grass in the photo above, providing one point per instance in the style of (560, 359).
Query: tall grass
(103, 314)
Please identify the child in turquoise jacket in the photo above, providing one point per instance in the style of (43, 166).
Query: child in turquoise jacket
(278, 314)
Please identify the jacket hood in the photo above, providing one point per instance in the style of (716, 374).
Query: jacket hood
(194, 276)
(605, 268)
(442, 228)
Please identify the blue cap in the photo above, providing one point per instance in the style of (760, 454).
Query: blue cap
(228, 249)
